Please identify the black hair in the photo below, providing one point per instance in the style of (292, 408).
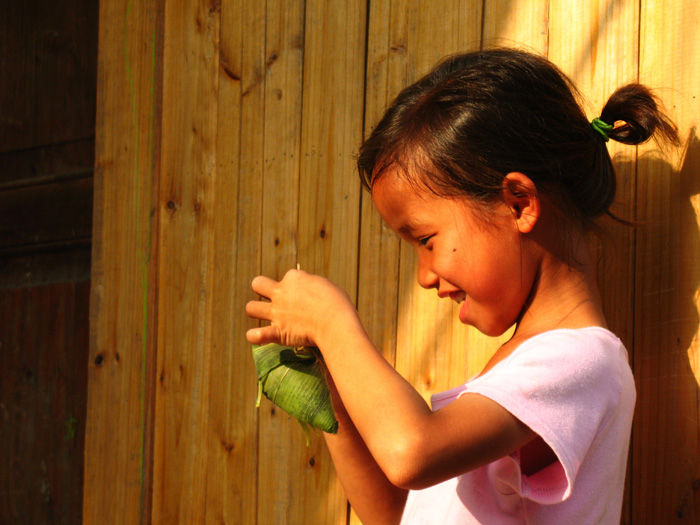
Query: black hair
(478, 116)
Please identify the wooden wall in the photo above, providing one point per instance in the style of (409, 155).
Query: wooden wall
(48, 65)
(226, 132)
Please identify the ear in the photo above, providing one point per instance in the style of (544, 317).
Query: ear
(521, 196)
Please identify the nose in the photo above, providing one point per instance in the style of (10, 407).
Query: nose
(427, 278)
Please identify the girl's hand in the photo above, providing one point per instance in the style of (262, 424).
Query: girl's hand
(302, 308)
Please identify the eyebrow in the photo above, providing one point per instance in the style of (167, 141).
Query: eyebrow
(404, 229)
(409, 227)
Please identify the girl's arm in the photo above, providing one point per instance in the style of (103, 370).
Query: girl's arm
(373, 497)
(413, 446)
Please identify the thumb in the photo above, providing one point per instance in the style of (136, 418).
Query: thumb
(262, 335)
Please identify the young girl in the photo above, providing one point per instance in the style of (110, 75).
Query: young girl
(489, 168)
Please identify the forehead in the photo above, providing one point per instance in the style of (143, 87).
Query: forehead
(410, 165)
(403, 205)
(407, 207)
(392, 191)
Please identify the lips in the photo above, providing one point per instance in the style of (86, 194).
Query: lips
(458, 297)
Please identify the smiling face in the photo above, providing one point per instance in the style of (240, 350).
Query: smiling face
(482, 264)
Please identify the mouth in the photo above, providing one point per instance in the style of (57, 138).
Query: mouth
(458, 297)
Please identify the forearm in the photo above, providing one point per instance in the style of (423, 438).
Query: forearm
(373, 497)
(386, 411)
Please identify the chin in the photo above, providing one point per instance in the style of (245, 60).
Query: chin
(494, 329)
(489, 323)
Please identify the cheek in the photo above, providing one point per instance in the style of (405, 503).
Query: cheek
(511, 285)
(498, 273)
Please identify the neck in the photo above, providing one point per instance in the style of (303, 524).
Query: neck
(564, 295)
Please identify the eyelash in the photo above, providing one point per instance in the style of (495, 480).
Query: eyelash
(424, 241)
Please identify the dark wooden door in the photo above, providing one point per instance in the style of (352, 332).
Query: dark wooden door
(48, 56)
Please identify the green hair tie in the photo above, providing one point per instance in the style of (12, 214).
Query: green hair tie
(602, 128)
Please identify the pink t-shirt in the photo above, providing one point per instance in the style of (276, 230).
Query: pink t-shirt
(575, 389)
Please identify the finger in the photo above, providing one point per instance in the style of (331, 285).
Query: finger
(262, 335)
(263, 285)
(258, 310)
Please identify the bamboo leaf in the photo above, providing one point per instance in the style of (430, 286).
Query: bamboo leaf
(293, 379)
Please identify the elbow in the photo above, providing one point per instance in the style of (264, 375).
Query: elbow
(405, 463)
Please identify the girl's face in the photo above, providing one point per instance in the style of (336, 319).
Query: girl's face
(473, 258)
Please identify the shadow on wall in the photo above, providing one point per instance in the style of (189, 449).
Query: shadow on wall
(666, 434)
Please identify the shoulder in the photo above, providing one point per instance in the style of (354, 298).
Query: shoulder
(561, 366)
(590, 339)
(582, 351)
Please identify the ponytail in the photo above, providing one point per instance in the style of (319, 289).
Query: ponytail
(641, 118)
(631, 116)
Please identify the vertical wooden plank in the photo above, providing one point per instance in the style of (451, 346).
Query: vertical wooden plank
(282, 453)
(331, 132)
(329, 191)
(511, 23)
(378, 273)
(379, 247)
(233, 447)
(666, 455)
(186, 209)
(117, 469)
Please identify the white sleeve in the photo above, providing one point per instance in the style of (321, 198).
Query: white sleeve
(564, 385)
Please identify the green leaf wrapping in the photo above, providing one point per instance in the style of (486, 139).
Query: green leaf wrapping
(294, 381)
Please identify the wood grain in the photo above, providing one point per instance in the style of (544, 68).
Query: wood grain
(377, 293)
(522, 24)
(122, 312)
(329, 190)
(283, 457)
(666, 437)
(185, 274)
(232, 444)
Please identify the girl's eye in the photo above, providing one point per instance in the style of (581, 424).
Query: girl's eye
(424, 240)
